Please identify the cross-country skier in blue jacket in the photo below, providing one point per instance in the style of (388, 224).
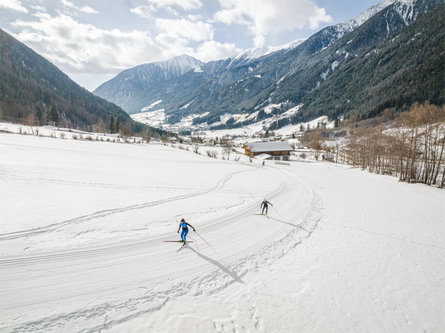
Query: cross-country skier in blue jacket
(185, 229)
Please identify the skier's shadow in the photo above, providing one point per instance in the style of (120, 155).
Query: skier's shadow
(222, 267)
(288, 223)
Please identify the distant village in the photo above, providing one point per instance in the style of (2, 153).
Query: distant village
(409, 146)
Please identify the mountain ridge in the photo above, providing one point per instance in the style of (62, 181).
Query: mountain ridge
(287, 77)
(31, 84)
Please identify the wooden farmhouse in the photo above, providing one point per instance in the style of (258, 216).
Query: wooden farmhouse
(273, 148)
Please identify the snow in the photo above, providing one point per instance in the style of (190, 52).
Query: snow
(258, 127)
(152, 105)
(185, 123)
(224, 118)
(83, 222)
(269, 108)
(324, 75)
(65, 133)
(255, 53)
(290, 129)
(405, 8)
(179, 65)
(187, 105)
(366, 15)
(153, 118)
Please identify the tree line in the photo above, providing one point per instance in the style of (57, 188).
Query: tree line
(412, 149)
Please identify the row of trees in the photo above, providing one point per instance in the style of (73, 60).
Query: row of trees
(52, 117)
(413, 149)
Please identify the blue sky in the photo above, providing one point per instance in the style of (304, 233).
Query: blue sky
(92, 41)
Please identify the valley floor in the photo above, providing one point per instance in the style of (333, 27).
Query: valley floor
(83, 223)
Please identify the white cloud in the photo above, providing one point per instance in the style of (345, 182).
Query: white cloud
(68, 4)
(184, 4)
(71, 6)
(88, 10)
(142, 11)
(145, 11)
(213, 50)
(38, 8)
(195, 17)
(79, 48)
(14, 5)
(84, 48)
(184, 30)
(264, 17)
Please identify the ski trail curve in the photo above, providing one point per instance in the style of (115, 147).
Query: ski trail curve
(107, 212)
(122, 248)
(300, 226)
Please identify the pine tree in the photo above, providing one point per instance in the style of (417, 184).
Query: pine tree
(52, 115)
(111, 124)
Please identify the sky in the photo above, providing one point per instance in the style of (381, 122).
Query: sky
(92, 41)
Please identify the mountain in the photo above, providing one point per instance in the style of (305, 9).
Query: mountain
(359, 67)
(391, 61)
(30, 84)
(169, 83)
(161, 84)
(138, 87)
(304, 74)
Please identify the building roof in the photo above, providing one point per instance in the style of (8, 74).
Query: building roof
(259, 147)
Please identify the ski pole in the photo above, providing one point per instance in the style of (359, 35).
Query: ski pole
(210, 246)
(276, 211)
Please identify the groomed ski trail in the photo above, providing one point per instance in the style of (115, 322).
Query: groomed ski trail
(226, 262)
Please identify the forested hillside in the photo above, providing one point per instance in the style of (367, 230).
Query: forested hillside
(389, 56)
(392, 60)
(32, 88)
(406, 67)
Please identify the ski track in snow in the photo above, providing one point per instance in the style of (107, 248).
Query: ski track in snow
(245, 272)
(221, 276)
(100, 214)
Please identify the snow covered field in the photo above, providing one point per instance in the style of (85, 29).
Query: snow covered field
(82, 225)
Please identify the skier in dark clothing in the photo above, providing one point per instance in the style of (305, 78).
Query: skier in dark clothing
(185, 229)
(265, 206)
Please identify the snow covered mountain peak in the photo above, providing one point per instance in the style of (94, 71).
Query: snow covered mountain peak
(405, 8)
(366, 15)
(179, 65)
(255, 53)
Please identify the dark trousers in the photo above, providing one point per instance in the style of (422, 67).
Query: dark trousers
(264, 208)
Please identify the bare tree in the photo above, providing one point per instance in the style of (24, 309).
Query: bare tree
(101, 127)
(413, 148)
(212, 153)
(316, 144)
(30, 121)
(228, 147)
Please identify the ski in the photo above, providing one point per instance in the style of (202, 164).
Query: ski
(174, 241)
(262, 214)
(182, 246)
